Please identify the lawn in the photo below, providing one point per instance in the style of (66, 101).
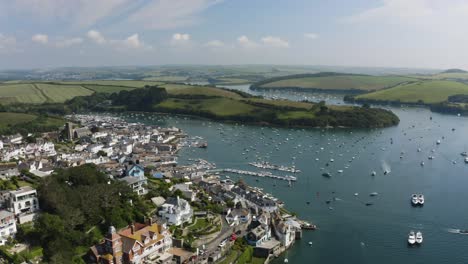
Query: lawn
(431, 91)
(8, 119)
(200, 223)
(340, 82)
(61, 93)
(282, 103)
(21, 93)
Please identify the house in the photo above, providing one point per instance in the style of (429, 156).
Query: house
(176, 211)
(258, 235)
(7, 226)
(237, 216)
(23, 203)
(136, 244)
(158, 201)
(136, 171)
(8, 170)
(186, 191)
(81, 132)
(285, 231)
(137, 183)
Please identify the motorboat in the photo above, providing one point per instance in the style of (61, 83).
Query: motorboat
(373, 173)
(464, 154)
(419, 237)
(414, 199)
(373, 194)
(386, 172)
(411, 238)
(422, 163)
(421, 199)
(438, 142)
(326, 174)
(466, 160)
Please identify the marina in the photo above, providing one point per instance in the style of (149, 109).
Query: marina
(267, 165)
(261, 174)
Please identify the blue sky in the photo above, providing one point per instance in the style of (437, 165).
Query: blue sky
(384, 33)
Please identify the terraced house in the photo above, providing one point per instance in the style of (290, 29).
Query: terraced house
(138, 243)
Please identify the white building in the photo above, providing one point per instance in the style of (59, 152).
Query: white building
(7, 226)
(176, 211)
(24, 203)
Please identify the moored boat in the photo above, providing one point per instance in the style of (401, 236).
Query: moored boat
(419, 237)
(411, 238)
(421, 199)
(414, 199)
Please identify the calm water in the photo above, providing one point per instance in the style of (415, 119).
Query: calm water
(353, 232)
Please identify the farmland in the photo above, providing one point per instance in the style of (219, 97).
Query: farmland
(429, 92)
(333, 81)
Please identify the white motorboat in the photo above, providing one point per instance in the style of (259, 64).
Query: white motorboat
(422, 163)
(466, 160)
(438, 142)
(373, 194)
(419, 237)
(374, 173)
(411, 238)
(421, 199)
(414, 199)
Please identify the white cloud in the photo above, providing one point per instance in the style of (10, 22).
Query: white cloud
(68, 42)
(311, 35)
(77, 13)
(166, 14)
(96, 36)
(7, 44)
(40, 38)
(395, 11)
(180, 37)
(245, 42)
(275, 42)
(215, 44)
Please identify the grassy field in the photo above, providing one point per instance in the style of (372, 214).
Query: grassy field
(8, 119)
(61, 93)
(181, 89)
(431, 91)
(20, 93)
(107, 88)
(340, 82)
(129, 83)
(218, 106)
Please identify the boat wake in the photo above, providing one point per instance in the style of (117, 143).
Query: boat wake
(457, 231)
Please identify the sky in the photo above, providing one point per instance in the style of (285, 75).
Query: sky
(369, 33)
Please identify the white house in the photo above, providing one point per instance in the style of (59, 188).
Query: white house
(24, 203)
(176, 211)
(237, 216)
(7, 226)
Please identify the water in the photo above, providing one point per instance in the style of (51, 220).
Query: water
(353, 232)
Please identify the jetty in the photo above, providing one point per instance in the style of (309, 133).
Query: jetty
(269, 166)
(263, 174)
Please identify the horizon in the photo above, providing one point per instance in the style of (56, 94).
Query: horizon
(122, 33)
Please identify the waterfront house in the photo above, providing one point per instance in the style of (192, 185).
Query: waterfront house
(258, 235)
(136, 244)
(24, 203)
(7, 226)
(176, 211)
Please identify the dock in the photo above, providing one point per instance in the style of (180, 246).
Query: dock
(263, 174)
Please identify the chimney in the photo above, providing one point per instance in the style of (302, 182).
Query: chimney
(132, 228)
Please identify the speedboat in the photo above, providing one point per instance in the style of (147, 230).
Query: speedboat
(414, 199)
(465, 232)
(421, 199)
(419, 237)
(411, 238)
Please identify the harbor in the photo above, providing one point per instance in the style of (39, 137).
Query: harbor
(262, 174)
(267, 165)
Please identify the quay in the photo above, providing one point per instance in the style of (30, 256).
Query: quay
(259, 174)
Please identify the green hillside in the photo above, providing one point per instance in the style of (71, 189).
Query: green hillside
(429, 92)
(333, 81)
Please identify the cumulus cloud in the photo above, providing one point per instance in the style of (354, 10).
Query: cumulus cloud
(40, 38)
(180, 37)
(310, 35)
(96, 36)
(275, 42)
(245, 42)
(214, 44)
(68, 42)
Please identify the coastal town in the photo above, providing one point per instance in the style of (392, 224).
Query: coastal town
(197, 214)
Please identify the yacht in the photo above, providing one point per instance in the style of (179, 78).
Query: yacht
(438, 142)
(411, 238)
(374, 173)
(419, 237)
(373, 194)
(326, 174)
(414, 199)
(466, 160)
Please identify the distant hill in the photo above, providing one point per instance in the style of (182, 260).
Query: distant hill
(454, 71)
(333, 81)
